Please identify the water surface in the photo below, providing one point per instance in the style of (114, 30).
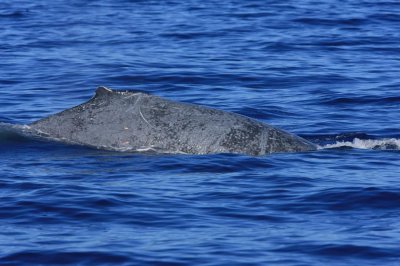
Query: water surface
(326, 70)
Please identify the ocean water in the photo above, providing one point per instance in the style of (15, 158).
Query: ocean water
(328, 71)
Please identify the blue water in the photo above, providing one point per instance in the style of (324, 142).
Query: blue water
(326, 70)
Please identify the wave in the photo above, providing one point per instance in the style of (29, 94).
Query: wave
(356, 140)
(370, 144)
(13, 133)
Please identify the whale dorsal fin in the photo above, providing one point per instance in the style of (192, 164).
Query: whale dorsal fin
(101, 91)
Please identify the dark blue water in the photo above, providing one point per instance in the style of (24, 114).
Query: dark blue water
(326, 70)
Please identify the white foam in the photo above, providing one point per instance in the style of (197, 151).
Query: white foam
(375, 144)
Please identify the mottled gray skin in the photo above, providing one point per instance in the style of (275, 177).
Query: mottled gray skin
(136, 121)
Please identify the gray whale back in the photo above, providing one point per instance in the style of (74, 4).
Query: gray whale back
(136, 121)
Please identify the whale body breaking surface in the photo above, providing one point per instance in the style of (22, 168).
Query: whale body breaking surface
(137, 121)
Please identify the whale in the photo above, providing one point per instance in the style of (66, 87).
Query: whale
(134, 121)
